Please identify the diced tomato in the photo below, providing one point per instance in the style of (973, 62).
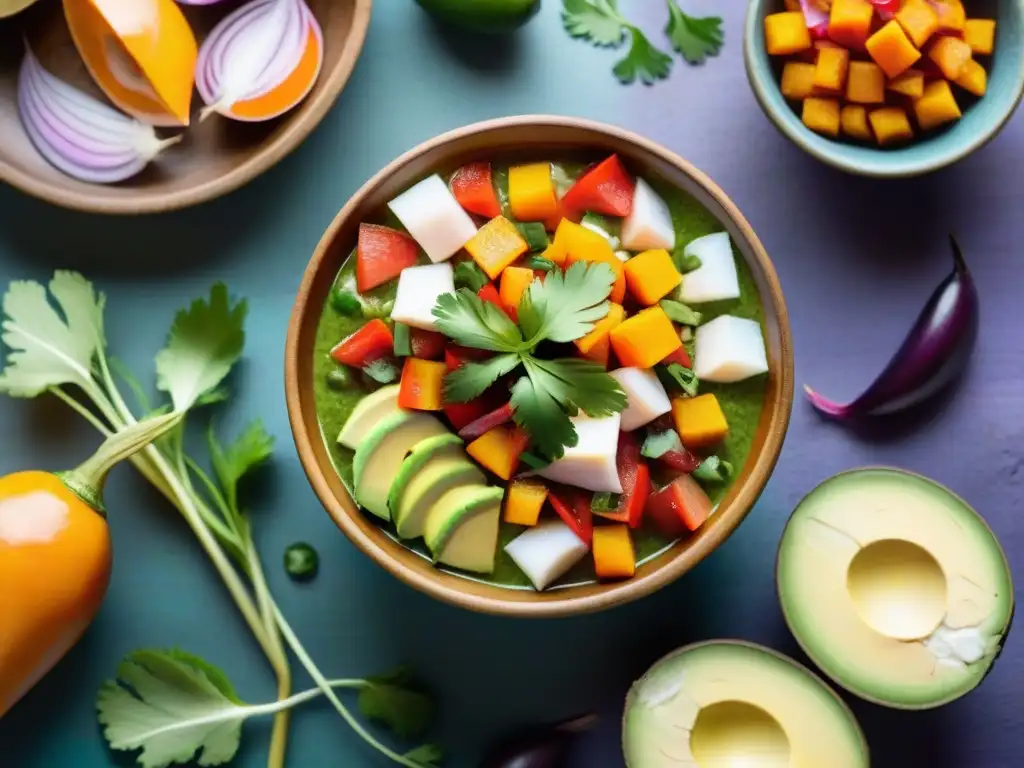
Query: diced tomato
(381, 255)
(462, 414)
(681, 461)
(473, 187)
(680, 356)
(490, 293)
(487, 422)
(455, 356)
(428, 345)
(606, 188)
(573, 506)
(371, 342)
(635, 477)
(680, 507)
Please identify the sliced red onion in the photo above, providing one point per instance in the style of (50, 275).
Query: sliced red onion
(80, 135)
(815, 18)
(252, 51)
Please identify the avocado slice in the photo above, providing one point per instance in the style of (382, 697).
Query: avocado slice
(381, 452)
(727, 703)
(368, 412)
(434, 467)
(894, 587)
(461, 529)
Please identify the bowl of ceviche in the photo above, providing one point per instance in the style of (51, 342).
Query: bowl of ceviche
(539, 366)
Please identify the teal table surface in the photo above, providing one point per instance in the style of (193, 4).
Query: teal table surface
(856, 257)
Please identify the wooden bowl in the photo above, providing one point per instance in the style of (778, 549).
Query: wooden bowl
(216, 156)
(524, 136)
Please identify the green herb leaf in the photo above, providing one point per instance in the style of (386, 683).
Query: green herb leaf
(598, 21)
(382, 371)
(534, 234)
(469, 275)
(533, 461)
(393, 700)
(680, 313)
(471, 379)
(678, 377)
(579, 385)
(253, 446)
(643, 62)
(539, 262)
(605, 502)
(658, 444)
(345, 302)
(472, 322)
(428, 755)
(204, 343)
(539, 413)
(683, 262)
(403, 340)
(713, 470)
(694, 38)
(565, 305)
(46, 348)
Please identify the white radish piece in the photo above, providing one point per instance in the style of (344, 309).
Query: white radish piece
(729, 349)
(590, 463)
(434, 218)
(649, 224)
(546, 552)
(646, 398)
(418, 290)
(716, 278)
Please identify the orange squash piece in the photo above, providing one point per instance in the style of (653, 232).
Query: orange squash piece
(531, 192)
(614, 556)
(891, 125)
(973, 79)
(910, 83)
(797, 80)
(853, 121)
(499, 450)
(919, 20)
(699, 420)
(865, 83)
(937, 106)
(514, 282)
(651, 276)
(786, 33)
(849, 23)
(601, 330)
(600, 353)
(648, 337)
(980, 34)
(496, 245)
(831, 68)
(524, 501)
(574, 238)
(141, 54)
(950, 55)
(952, 16)
(821, 115)
(892, 50)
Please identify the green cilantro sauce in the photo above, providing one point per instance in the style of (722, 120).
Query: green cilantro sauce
(741, 402)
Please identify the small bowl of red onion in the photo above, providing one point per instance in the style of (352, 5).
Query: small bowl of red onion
(97, 117)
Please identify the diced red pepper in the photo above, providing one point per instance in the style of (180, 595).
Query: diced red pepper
(573, 506)
(606, 188)
(490, 293)
(680, 356)
(428, 345)
(681, 461)
(486, 423)
(635, 477)
(381, 255)
(371, 342)
(463, 414)
(455, 356)
(473, 187)
(679, 508)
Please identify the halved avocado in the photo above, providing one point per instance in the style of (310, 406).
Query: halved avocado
(462, 528)
(381, 452)
(726, 703)
(369, 412)
(895, 587)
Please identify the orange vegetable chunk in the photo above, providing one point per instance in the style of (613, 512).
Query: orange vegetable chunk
(822, 115)
(973, 79)
(496, 245)
(952, 16)
(648, 337)
(699, 420)
(831, 68)
(797, 80)
(849, 22)
(531, 192)
(950, 55)
(498, 450)
(600, 353)
(422, 385)
(891, 125)
(854, 122)
(980, 34)
(602, 329)
(514, 282)
(614, 556)
(865, 83)
(892, 50)
(651, 276)
(585, 244)
(910, 83)
(786, 33)
(524, 501)
(919, 20)
(937, 106)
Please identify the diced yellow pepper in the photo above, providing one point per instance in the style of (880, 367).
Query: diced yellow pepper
(614, 556)
(822, 115)
(854, 122)
(786, 33)
(980, 34)
(973, 79)
(651, 276)
(919, 20)
(830, 69)
(648, 337)
(496, 245)
(951, 55)
(531, 192)
(496, 450)
(797, 80)
(910, 83)
(524, 501)
(576, 239)
(699, 420)
(602, 328)
(891, 125)
(892, 50)
(937, 106)
(849, 22)
(514, 282)
(952, 16)
(865, 83)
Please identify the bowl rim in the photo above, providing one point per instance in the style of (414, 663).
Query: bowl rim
(903, 169)
(268, 155)
(613, 593)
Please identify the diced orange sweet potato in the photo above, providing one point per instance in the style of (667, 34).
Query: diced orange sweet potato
(950, 55)
(919, 20)
(952, 16)
(890, 125)
(849, 22)
(514, 282)
(786, 33)
(865, 83)
(980, 34)
(892, 50)
(699, 420)
(576, 239)
(531, 192)
(973, 79)
(937, 106)
(651, 276)
(614, 557)
(910, 83)
(496, 245)
(854, 122)
(830, 71)
(797, 80)
(602, 328)
(822, 115)
(498, 450)
(647, 338)
(524, 501)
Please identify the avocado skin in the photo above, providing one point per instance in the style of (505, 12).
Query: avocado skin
(490, 16)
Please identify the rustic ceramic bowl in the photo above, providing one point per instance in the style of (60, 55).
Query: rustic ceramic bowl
(981, 121)
(524, 137)
(216, 156)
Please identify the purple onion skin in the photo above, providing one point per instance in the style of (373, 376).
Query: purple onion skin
(931, 357)
(545, 747)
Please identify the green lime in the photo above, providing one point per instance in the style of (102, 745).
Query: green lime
(483, 15)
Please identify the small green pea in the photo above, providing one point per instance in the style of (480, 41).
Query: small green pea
(339, 379)
(346, 302)
(301, 562)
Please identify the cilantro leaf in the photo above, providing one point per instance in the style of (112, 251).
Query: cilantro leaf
(382, 371)
(469, 275)
(564, 306)
(472, 322)
(47, 349)
(659, 443)
(253, 446)
(426, 755)
(694, 38)
(472, 378)
(643, 61)
(579, 385)
(678, 377)
(713, 470)
(392, 700)
(204, 343)
(599, 21)
(539, 413)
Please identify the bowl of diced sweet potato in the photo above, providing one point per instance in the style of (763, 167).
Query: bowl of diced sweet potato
(887, 88)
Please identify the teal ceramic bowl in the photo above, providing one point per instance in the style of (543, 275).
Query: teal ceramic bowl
(982, 119)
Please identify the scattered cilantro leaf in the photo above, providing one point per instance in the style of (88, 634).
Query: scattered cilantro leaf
(579, 385)
(472, 322)
(643, 61)
(564, 306)
(713, 470)
(598, 21)
(469, 275)
(393, 700)
(680, 313)
(472, 378)
(253, 446)
(539, 413)
(694, 38)
(659, 443)
(539, 262)
(426, 755)
(382, 371)
(678, 377)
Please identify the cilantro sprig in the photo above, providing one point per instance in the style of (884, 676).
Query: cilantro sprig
(602, 24)
(561, 308)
